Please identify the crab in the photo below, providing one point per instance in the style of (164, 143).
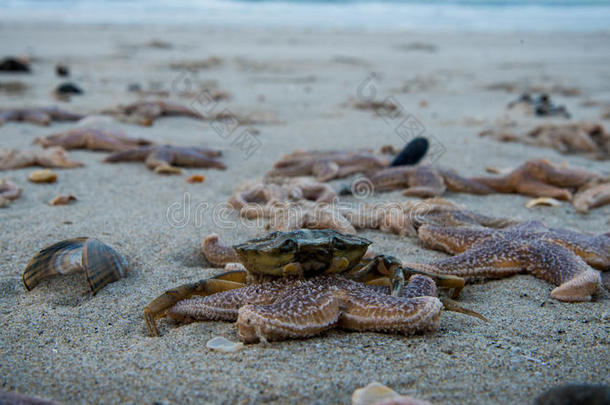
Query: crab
(304, 276)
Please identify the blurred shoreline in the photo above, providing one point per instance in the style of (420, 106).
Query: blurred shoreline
(489, 15)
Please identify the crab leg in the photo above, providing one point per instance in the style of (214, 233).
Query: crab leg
(392, 267)
(158, 307)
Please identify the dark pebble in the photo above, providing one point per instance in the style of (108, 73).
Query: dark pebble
(68, 88)
(14, 65)
(62, 70)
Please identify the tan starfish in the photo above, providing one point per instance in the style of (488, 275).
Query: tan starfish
(580, 137)
(559, 256)
(404, 218)
(539, 178)
(52, 157)
(421, 181)
(330, 165)
(164, 158)
(594, 194)
(93, 139)
(40, 116)
(9, 191)
(297, 308)
(145, 112)
(272, 190)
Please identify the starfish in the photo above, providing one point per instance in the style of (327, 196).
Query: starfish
(162, 158)
(297, 308)
(271, 190)
(52, 157)
(93, 139)
(592, 195)
(539, 178)
(40, 116)
(145, 112)
(559, 256)
(326, 166)
(420, 181)
(404, 218)
(581, 137)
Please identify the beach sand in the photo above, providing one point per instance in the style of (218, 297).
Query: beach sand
(59, 342)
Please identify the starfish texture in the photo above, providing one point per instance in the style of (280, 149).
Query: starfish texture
(164, 158)
(539, 178)
(405, 218)
(559, 256)
(272, 190)
(330, 165)
(52, 157)
(587, 138)
(41, 116)
(421, 181)
(145, 112)
(93, 139)
(594, 194)
(297, 308)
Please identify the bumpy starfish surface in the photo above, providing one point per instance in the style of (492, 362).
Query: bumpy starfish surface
(404, 218)
(328, 165)
(40, 116)
(93, 139)
(555, 255)
(587, 138)
(592, 195)
(164, 158)
(52, 157)
(297, 308)
(539, 178)
(272, 190)
(145, 112)
(421, 181)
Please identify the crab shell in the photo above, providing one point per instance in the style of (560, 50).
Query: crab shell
(314, 249)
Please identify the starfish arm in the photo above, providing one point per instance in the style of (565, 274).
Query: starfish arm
(325, 170)
(535, 188)
(592, 197)
(36, 117)
(67, 140)
(305, 310)
(457, 183)
(367, 310)
(554, 263)
(425, 181)
(419, 286)
(593, 249)
(187, 157)
(131, 155)
(452, 240)
(217, 253)
(54, 157)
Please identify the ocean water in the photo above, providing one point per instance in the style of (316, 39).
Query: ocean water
(474, 15)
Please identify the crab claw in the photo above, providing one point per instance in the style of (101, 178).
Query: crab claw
(158, 307)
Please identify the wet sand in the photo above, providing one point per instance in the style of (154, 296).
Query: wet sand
(59, 342)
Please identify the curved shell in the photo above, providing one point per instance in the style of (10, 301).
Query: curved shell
(101, 263)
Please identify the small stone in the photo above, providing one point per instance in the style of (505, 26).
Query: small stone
(42, 176)
(195, 178)
(62, 200)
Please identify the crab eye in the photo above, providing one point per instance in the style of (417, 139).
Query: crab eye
(338, 244)
(288, 246)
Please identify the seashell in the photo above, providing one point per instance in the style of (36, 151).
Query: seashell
(101, 263)
(9, 190)
(546, 201)
(223, 345)
(167, 169)
(42, 176)
(62, 200)
(378, 394)
(195, 178)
